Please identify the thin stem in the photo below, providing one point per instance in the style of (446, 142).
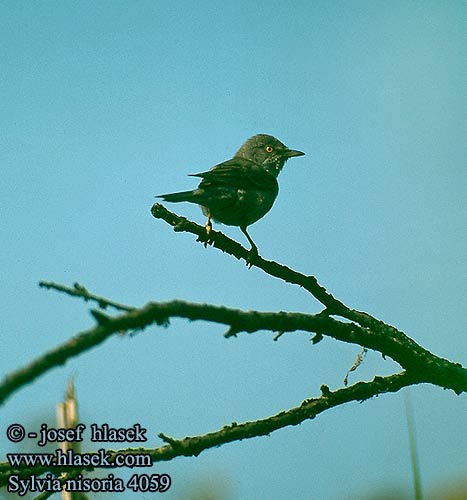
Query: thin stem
(413, 447)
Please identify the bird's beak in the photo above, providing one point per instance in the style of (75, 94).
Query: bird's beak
(293, 152)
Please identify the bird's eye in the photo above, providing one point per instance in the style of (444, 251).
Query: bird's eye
(269, 149)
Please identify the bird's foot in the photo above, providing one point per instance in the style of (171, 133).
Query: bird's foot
(252, 256)
(207, 242)
(206, 238)
(208, 226)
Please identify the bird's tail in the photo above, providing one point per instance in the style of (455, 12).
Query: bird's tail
(176, 197)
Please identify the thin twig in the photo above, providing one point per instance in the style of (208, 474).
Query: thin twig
(358, 361)
(80, 291)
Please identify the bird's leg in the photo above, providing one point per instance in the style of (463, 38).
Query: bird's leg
(253, 250)
(208, 227)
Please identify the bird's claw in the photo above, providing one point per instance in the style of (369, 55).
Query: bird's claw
(252, 256)
(205, 239)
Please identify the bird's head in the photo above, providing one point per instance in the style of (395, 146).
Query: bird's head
(267, 151)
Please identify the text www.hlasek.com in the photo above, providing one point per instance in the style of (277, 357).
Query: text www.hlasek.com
(72, 459)
(137, 482)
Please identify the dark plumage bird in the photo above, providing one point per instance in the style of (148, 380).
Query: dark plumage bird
(240, 191)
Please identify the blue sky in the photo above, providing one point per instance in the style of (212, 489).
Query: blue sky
(103, 105)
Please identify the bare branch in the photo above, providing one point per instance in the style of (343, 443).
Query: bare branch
(399, 347)
(194, 445)
(357, 327)
(333, 306)
(80, 291)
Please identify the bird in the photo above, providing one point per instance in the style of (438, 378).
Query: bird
(241, 190)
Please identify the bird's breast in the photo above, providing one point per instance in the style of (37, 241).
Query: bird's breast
(246, 206)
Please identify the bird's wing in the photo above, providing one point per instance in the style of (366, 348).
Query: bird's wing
(239, 173)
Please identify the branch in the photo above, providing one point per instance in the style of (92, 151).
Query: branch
(400, 344)
(80, 291)
(403, 350)
(194, 445)
(333, 306)
(419, 364)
